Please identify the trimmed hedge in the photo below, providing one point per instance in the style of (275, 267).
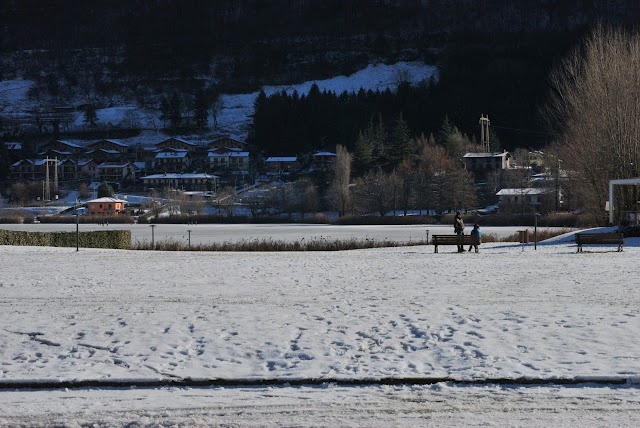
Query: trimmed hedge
(88, 219)
(117, 239)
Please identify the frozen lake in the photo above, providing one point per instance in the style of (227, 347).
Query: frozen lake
(208, 233)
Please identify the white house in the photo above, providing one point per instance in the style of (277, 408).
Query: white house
(527, 198)
(484, 162)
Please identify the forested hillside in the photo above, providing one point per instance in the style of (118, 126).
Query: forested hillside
(493, 56)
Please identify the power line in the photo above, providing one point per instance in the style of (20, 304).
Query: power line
(531, 131)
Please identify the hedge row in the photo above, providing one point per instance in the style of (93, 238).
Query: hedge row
(93, 219)
(118, 239)
(630, 231)
(16, 218)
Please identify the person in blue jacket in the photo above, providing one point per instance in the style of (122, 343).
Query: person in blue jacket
(476, 231)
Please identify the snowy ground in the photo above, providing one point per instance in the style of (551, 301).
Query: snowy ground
(327, 318)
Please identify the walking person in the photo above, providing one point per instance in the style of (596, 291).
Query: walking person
(458, 228)
(476, 232)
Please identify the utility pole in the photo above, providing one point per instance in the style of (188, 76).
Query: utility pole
(484, 134)
(46, 194)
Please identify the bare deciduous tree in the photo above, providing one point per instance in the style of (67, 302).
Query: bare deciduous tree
(339, 193)
(377, 191)
(595, 112)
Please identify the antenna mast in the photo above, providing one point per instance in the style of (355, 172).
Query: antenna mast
(484, 134)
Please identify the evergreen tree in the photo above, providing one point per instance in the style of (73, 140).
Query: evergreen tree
(105, 190)
(363, 155)
(200, 109)
(90, 115)
(399, 145)
(165, 110)
(453, 140)
(175, 111)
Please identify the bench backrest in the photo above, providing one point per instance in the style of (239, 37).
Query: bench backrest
(599, 237)
(455, 239)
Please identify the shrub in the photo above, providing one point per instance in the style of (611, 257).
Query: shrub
(316, 244)
(11, 219)
(543, 234)
(630, 231)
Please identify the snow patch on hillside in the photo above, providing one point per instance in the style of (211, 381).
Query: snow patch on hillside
(234, 118)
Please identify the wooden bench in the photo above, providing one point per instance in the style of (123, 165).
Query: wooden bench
(454, 240)
(599, 238)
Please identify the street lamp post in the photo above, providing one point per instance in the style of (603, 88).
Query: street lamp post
(153, 245)
(77, 232)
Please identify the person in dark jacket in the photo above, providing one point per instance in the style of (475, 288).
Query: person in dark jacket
(458, 228)
(476, 232)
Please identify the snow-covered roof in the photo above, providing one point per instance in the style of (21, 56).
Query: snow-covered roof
(218, 154)
(281, 159)
(524, 191)
(108, 165)
(106, 200)
(168, 155)
(239, 154)
(174, 176)
(324, 154)
(486, 155)
(12, 145)
(60, 152)
(177, 139)
(68, 143)
(116, 142)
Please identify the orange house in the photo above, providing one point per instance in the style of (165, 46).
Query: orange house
(105, 206)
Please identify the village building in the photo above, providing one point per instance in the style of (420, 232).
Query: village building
(107, 144)
(28, 169)
(176, 143)
(87, 168)
(322, 161)
(115, 173)
(226, 142)
(528, 199)
(486, 162)
(276, 165)
(191, 182)
(105, 206)
(175, 160)
(64, 147)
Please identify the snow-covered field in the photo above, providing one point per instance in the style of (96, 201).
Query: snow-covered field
(321, 321)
